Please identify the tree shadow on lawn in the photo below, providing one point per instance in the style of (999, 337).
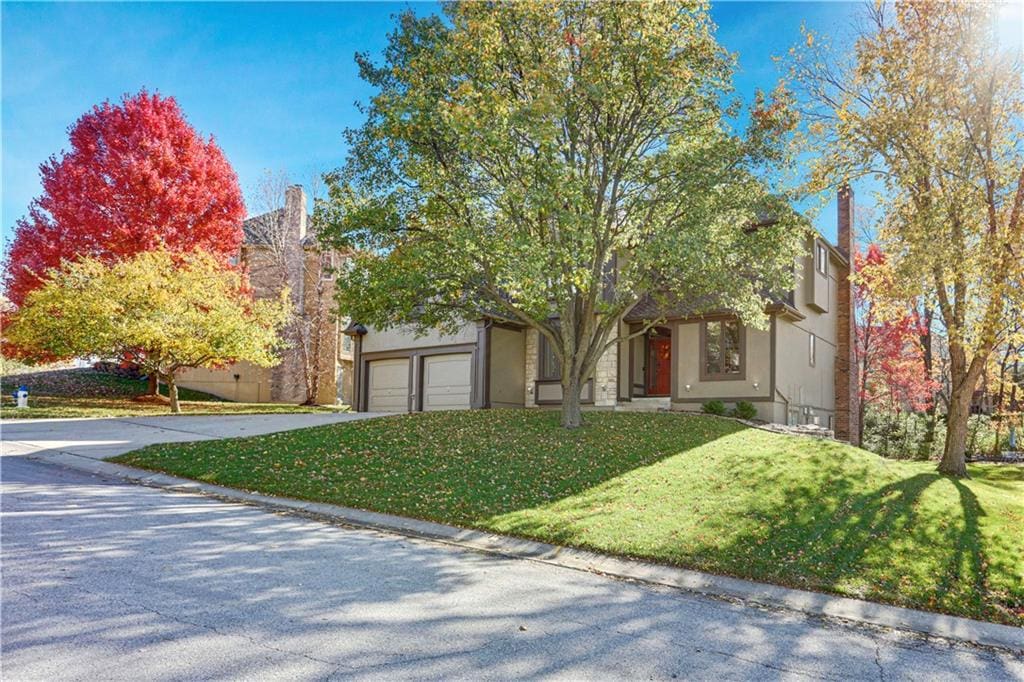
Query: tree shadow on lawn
(911, 540)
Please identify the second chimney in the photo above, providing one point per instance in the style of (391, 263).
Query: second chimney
(294, 234)
(847, 394)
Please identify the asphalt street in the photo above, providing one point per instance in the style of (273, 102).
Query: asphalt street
(104, 580)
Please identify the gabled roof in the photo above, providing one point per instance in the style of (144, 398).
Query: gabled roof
(255, 228)
(648, 308)
(253, 231)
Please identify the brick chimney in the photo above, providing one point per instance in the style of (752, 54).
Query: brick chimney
(287, 382)
(847, 417)
(294, 233)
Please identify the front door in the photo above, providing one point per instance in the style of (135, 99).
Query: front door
(659, 364)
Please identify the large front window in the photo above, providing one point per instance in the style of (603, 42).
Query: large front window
(722, 350)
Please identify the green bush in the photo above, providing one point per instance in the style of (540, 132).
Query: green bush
(910, 435)
(715, 407)
(744, 410)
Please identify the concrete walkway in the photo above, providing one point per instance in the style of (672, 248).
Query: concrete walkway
(104, 438)
(105, 580)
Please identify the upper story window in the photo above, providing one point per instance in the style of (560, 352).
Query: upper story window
(821, 258)
(327, 264)
(722, 350)
(812, 349)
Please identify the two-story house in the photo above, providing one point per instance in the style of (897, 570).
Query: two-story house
(278, 252)
(801, 370)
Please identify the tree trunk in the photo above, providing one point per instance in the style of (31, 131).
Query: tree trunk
(154, 384)
(925, 339)
(928, 442)
(861, 415)
(954, 459)
(172, 393)
(572, 416)
(999, 434)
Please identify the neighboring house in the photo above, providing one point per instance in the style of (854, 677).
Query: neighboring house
(277, 252)
(799, 371)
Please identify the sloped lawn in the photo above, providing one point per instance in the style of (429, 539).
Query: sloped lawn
(65, 393)
(692, 491)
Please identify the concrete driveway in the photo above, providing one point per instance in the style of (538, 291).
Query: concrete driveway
(103, 438)
(108, 581)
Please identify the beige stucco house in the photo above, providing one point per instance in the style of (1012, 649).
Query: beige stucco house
(798, 371)
(278, 252)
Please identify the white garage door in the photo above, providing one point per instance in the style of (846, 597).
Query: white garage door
(446, 384)
(389, 385)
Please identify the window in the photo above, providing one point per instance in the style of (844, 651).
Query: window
(821, 258)
(548, 366)
(722, 350)
(327, 265)
(812, 348)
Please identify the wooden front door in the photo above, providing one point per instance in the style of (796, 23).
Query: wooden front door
(659, 365)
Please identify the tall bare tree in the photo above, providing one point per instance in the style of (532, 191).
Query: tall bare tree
(282, 258)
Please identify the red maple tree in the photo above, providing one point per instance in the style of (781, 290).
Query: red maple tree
(138, 176)
(892, 367)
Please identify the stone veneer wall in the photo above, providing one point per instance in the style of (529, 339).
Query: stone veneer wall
(606, 379)
(605, 374)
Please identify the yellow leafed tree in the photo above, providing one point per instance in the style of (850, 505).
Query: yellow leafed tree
(165, 312)
(932, 104)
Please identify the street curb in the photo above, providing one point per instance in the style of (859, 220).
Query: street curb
(813, 603)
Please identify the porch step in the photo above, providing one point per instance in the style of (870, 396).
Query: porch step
(660, 404)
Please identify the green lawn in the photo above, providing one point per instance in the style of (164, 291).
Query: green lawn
(692, 491)
(63, 393)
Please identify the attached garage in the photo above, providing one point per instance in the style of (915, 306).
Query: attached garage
(389, 385)
(398, 370)
(447, 382)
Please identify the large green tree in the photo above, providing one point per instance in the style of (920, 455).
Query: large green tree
(931, 103)
(551, 164)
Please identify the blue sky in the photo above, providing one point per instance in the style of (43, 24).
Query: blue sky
(275, 83)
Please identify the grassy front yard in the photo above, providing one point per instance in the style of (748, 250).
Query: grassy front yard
(692, 491)
(67, 393)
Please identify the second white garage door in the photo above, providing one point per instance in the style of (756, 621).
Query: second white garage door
(389, 386)
(446, 382)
